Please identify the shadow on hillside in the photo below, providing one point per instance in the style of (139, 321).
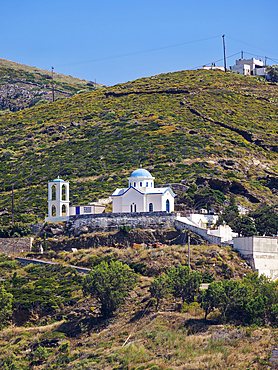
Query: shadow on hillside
(193, 325)
(142, 313)
(81, 325)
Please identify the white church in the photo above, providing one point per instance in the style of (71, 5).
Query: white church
(142, 196)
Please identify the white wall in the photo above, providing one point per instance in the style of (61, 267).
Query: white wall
(132, 197)
(202, 219)
(220, 68)
(117, 205)
(243, 69)
(168, 196)
(260, 72)
(224, 232)
(87, 209)
(262, 253)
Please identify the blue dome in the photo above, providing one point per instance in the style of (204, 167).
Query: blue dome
(140, 173)
(58, 180)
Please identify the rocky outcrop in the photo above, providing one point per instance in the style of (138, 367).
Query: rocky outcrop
(53, 229)
(119, 239)
(227, 186)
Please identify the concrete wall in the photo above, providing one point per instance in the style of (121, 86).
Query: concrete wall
(112, 221)
(15, 245)
(261, 252)
(202, 232)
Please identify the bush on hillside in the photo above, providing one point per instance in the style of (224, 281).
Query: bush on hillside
(16, 230)
(110, 283)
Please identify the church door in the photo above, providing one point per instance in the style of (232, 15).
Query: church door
(167, 205)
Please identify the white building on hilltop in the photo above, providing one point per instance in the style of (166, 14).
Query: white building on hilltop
(142, 196)
(249, 67)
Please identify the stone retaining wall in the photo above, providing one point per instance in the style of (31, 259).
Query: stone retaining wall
(15, 245)
(112, 221)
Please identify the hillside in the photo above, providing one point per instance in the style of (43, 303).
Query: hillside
(24, 86)
(55, 327)
(217, 130)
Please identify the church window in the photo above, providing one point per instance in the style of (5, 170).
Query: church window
(167, 205)
(53, 192)
(141, 184)
(63, 192)
(151, 184)
(134, 207)
(131, 208)
(134, 184)
(53, 210)
(150, 207)
(147, 184)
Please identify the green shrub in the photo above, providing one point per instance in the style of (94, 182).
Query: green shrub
(38, 356)
(9, 264)
(16, 230)
(64, 347)
(124, 228)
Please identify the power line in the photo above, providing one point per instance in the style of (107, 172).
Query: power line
(261, 56)
(257, 55)
(247, 43)
(273, 60)
(216, 61)
(139, 52)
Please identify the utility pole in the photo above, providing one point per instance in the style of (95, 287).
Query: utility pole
(12, 203)
(224, 49)
(52, 85)
(189, 251)
(265, 68)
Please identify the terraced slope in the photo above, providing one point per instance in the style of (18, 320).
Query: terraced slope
(217, 130)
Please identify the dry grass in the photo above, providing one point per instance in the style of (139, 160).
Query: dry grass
(17, 330)
(202, 257)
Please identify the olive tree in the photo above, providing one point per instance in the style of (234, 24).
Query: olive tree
(159, 288)
(109, 283)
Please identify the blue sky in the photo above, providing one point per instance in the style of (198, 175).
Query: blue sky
(115, 41)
